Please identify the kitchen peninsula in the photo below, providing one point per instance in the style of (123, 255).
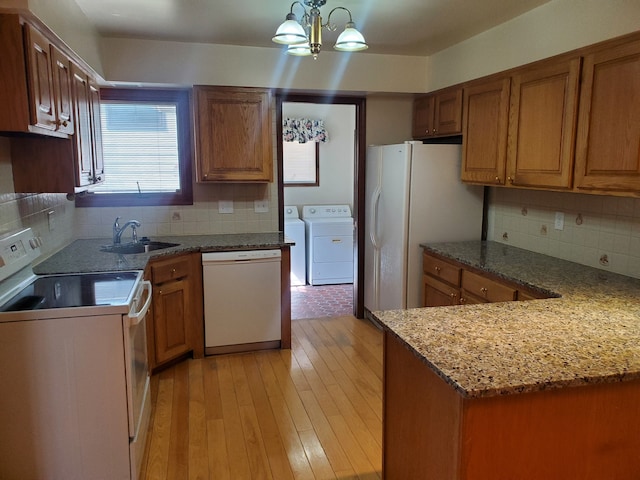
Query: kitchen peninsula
(516, 390)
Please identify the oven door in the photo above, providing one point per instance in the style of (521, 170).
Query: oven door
(135, 348)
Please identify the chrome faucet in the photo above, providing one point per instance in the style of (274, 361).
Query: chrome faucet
(117, 230)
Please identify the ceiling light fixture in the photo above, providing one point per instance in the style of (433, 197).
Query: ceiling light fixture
(304, 36)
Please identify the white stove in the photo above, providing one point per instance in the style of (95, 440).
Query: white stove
(74, 362)
(330, 244)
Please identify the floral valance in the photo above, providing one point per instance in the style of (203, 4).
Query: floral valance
(303, 130)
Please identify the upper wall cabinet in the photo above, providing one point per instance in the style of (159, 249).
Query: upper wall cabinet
(542, 125)
(438, 114)
(484, 129)
(46, 92)
(35, 79)
(608, 142)
(233, 134)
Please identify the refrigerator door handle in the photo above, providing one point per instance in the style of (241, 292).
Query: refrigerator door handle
(374, 218)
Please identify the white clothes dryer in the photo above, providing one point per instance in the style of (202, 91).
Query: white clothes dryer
(330, 237)
(294, 230)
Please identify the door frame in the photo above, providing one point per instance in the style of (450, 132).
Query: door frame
(358, 176)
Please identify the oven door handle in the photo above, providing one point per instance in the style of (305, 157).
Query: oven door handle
(136, 318)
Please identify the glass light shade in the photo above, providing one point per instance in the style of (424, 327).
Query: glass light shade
(290, 32)
(300, 50)
(351, 40)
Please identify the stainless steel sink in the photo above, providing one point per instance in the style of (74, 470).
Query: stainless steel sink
(137, 247)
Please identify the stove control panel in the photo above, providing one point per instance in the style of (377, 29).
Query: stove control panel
(17, 250)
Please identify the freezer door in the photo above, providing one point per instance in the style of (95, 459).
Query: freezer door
(386, 226)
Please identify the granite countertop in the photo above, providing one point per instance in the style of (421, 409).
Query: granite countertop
(590, 334)
(82, 256)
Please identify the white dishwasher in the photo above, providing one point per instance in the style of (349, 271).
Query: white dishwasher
(241, 300)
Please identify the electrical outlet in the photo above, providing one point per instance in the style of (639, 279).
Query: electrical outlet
(51, 217)
(559, 223)
(261, 206)
(225, 206)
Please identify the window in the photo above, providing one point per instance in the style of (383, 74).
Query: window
(300, 164)
(146, 144)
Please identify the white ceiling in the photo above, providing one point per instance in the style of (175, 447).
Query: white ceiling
(400, 27)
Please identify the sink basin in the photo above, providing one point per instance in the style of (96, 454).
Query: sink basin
(138, 247)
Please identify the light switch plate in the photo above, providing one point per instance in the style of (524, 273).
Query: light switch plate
(225, 206)
(559, 223)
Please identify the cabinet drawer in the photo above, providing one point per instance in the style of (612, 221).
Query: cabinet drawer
(171, 269)
(437, 293)
(486, 288)
(440, 269)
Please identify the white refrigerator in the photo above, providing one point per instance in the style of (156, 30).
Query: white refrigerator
(413, 195)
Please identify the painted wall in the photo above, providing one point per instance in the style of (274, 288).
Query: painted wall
(551, 29)
(130, 60)
(388, 119)
(594, 226)
(68, 21)
(336, 155)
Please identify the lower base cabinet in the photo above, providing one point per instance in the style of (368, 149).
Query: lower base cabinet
(176, 329)
(446, 282)
(432, 432)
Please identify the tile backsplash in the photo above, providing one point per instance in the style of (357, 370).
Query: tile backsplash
(201, 218)
(50, 215)
(598, 231)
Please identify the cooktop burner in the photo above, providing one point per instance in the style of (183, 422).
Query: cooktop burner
(77, 290)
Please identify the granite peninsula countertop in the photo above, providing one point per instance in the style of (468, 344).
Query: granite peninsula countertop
(84, 255)
(589, 334)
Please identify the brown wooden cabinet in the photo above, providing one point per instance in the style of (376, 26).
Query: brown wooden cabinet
(46, 90)
(542, 125)
(48, 164)
(63, 92)
(88, 132)
(176, 327)
(35, 94)
(447, 282)
(438, 114)
(233, 134)
(608, 140)
(484, 130)
(96, 132)
(485, 289)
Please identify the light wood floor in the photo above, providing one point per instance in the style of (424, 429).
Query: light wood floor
(312, 412)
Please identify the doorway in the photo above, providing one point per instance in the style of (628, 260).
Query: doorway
(355, 106)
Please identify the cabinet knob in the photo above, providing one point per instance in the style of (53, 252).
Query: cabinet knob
(438, 270)
(463, 300)
(484, 291)
(497, 179)
(173, 271)
(453, 296)
(510, 179)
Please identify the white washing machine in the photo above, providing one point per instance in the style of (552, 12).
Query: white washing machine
(294, 229)
(329, 231)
